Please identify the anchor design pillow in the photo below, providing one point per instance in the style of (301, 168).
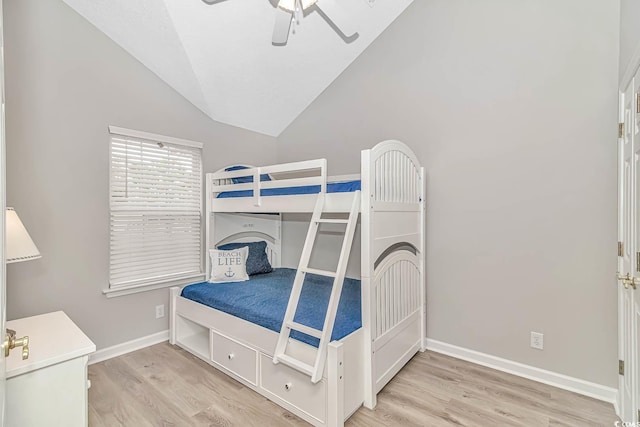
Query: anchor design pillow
(229, 265)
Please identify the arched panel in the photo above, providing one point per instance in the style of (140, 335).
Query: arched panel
(396, 175)
(231, 228)
(397, 292)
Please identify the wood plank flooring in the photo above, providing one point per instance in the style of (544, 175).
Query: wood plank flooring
(164, 385)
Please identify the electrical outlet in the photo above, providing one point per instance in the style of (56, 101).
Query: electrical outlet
(160, 311)
(537, 340)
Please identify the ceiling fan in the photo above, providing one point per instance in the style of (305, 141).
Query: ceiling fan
(289, 11)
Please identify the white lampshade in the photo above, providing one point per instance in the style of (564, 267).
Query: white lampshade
(20, 247)
(290, 5)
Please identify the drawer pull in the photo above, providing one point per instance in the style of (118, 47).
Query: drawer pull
(288, 386)
(231, 356)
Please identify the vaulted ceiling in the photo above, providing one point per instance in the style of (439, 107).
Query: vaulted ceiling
(218, 53)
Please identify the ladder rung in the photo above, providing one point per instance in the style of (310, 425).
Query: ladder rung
(333, 221)
(305, 329)
(319, 272)
(295, 363)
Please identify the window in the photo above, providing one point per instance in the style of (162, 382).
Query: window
(155, 199)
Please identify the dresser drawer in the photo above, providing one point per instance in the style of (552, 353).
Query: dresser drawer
(233, 356)
(293, 387)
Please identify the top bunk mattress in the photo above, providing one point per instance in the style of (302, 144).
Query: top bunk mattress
(332, 187)
(263, 300)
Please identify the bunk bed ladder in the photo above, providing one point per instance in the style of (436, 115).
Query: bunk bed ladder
(315, 371)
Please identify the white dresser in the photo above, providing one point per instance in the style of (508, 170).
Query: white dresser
(50, 387)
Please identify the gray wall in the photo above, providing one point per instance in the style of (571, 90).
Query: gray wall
(629, 32)
(66, 82)
(511, 106)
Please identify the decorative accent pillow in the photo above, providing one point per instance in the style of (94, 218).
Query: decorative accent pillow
(257, 261)
(245, 179)
(228, 265)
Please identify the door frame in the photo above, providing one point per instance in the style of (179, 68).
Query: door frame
(620, 161)
(3, 264)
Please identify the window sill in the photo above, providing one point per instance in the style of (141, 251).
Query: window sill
(128, 290)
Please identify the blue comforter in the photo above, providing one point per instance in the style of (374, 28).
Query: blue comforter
(263, 301)
(335, 187)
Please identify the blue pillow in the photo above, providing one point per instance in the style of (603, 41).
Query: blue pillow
(245, 179)
(257, 261)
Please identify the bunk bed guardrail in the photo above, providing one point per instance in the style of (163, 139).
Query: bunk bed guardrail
(222, 181)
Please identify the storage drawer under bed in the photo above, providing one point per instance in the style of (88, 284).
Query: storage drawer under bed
(293, 387)
(235, 357)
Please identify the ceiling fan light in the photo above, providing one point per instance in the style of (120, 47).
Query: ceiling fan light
(288, 5)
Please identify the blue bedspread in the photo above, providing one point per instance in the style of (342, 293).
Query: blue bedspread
(336, 187)
(263, 300)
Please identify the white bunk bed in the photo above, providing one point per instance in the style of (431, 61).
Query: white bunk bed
(358, 366)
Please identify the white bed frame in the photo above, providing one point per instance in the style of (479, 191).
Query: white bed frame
(392, 282)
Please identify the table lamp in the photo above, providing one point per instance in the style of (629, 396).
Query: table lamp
(19, 248)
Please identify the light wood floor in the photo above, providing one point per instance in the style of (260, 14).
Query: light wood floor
(163, 385)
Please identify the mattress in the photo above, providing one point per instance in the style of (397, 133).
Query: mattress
(332, 187)
(263, 300)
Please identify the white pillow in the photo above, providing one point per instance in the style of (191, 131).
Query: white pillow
(229, 266)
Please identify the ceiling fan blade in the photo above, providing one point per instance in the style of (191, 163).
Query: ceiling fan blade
(332, 10)
(282, 26)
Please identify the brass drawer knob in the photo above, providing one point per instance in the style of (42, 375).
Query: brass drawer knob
(11, 342)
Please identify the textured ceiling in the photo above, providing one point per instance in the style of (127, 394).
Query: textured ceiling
(219, 56)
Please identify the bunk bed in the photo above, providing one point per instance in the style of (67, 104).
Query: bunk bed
(322, 373)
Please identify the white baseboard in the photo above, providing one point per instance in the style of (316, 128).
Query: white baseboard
(576, 385)
(129, 346)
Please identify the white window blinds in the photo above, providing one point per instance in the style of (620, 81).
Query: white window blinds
(156, 210)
